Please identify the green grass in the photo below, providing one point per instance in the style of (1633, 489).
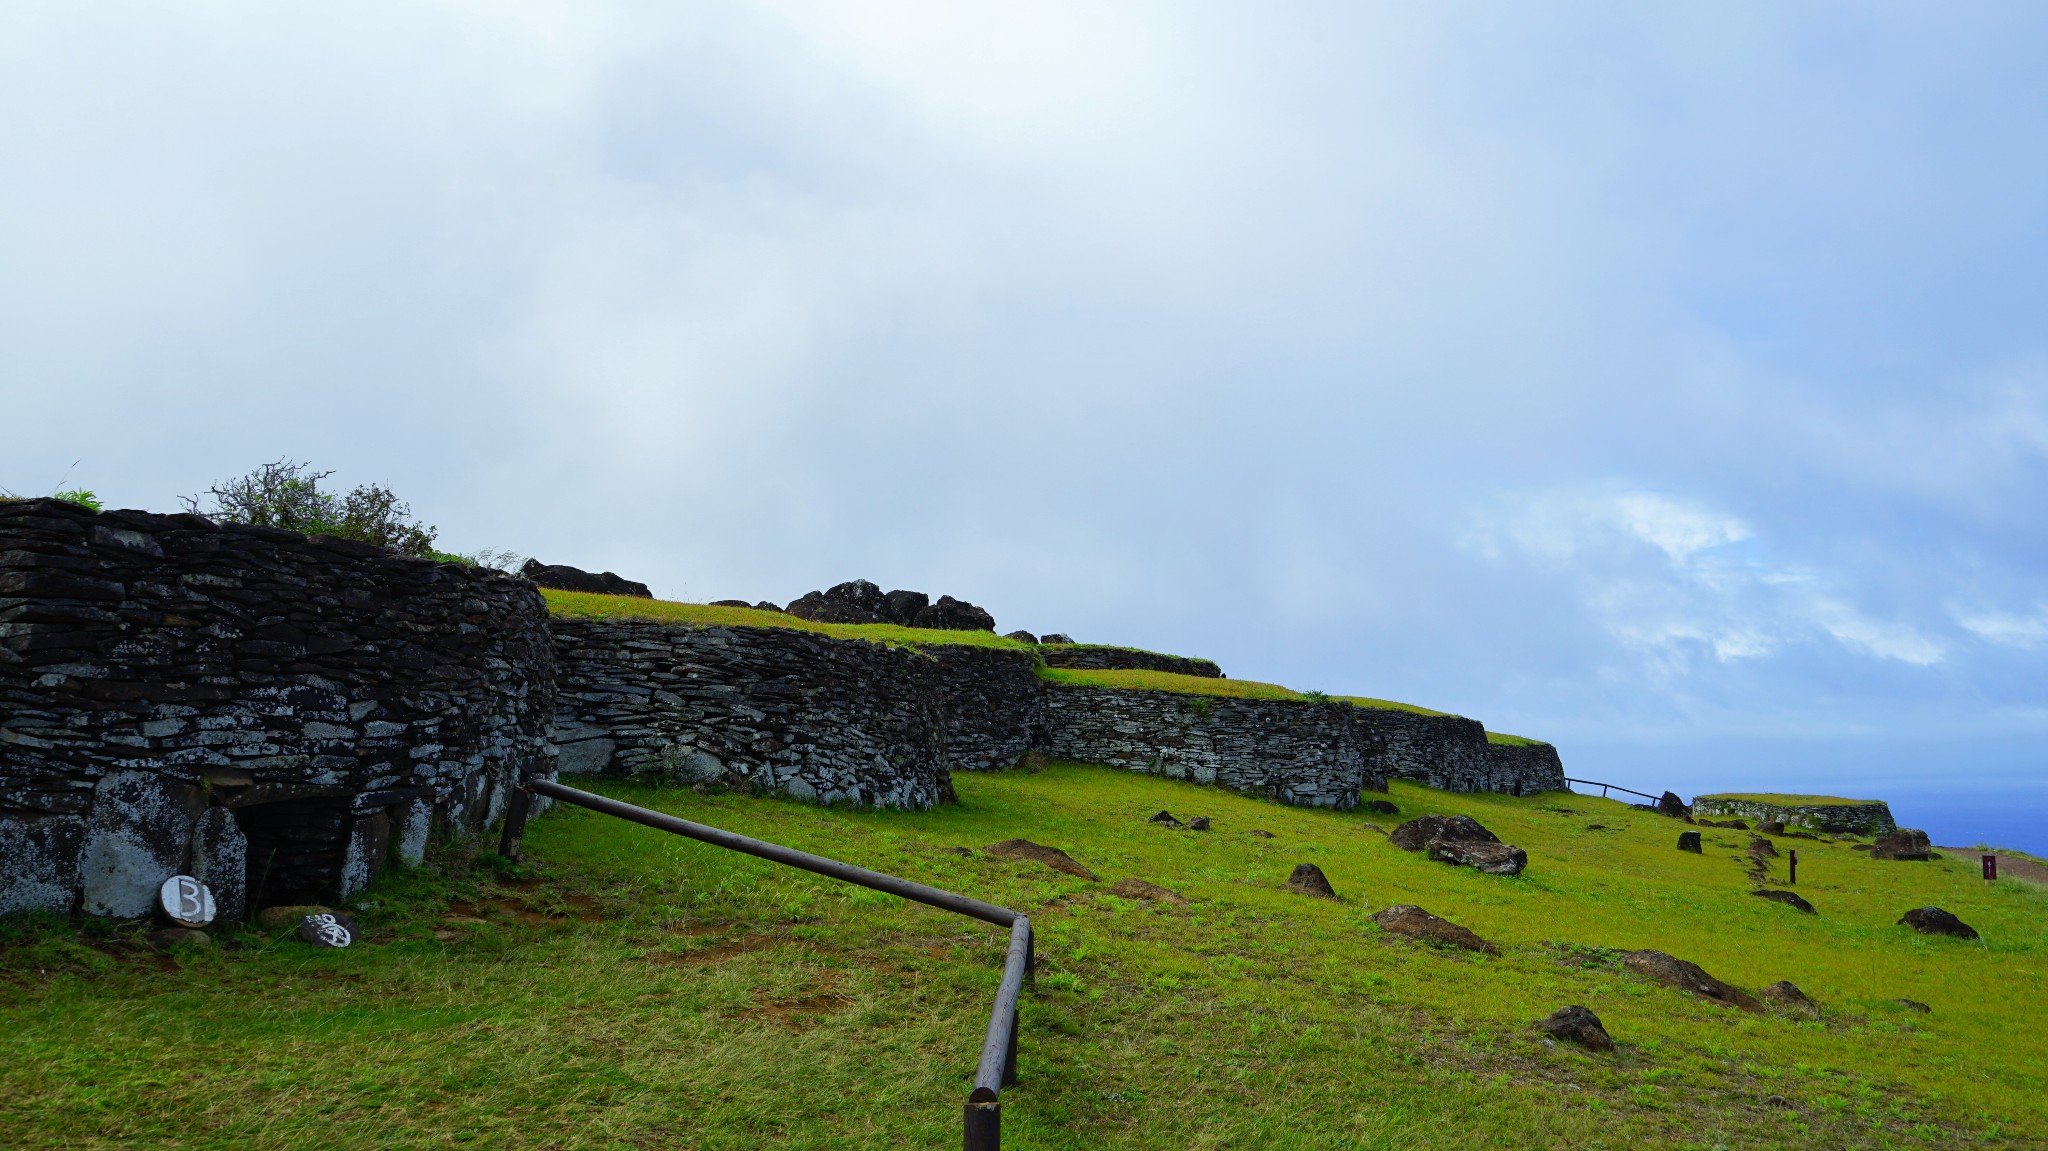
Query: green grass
(1788, 800)
(1141, 680)
(632, 989)
(1507, 740)
(588, 605)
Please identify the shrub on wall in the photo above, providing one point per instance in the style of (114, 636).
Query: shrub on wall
(286, 494)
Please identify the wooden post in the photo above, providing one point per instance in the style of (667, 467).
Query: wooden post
(982, 1126)
(1795, 867)
(515, 823)
(1990, 868)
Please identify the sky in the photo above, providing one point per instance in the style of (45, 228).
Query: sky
(1664, 381)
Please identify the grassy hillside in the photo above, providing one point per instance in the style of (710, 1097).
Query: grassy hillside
(633, 989)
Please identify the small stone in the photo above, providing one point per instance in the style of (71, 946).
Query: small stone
(1762, 848)
(1260, 834)
(1576, 1024)
(1140, 889)
(1935, 921)
(1772, 827)
(1783, 994)
(1165, 817)
(1670, 804)
(335, 929)
(1689, 841)
(1788, 898)
(1308, 879)
(1056, 637)
(1379, 807)
(1412, 922)
(1021, 636)
(279, 918)
(166, 938)
(1914, 1005)
(1491, 858)
(963, 852)
(1199, 823)
(1052, 857)
(1906, 843)
(1688, 977)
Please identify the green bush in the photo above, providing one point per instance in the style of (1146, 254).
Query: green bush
(286, 494)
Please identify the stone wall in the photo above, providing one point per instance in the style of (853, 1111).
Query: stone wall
(1872, 818)
(1094, 657)
(993, 704)
(773, 710)
(273, 713)
(1523, 769)
(1301, 753)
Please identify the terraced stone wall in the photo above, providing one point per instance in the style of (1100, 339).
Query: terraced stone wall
(273, 713)
(771, 710)
(993, 706)
(1523, 769)
(1300, 753)
(1091, 657)
(1870, 819)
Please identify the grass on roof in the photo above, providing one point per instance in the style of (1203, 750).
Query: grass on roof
(1141, 680)
(1118, 647)
(1505, 740)
(1788, 800)
(589, 605)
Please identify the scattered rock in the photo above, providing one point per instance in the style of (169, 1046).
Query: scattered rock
(861, 601)
(1735, 824)
(1379, 807)
(334, 929)
(562, 577)
(1406, 919)
(963, 852)
(1140, 889)
(1772, 827)
(764, 605)
(1056, 637)
(1308, 879)
(1669, 804)
(1914, 1005)
(730, 603)
(1021, 636)
(1416, 834)
(1690, 841)
(1491, 858)
(1199, 823)
(1862, 847)
(1260, 834)
(1052, 857)
(1935, 921)
(166, 938)
(1785, 996)
(1905, 843)
(1788, 898)
(902, 608)
(279, 918)
(1578, 1025)
(1165, 817)
(950, 614)
(1687, 977)
(1762, 848)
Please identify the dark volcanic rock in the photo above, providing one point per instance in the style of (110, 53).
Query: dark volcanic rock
(1141, 889)
(1687, 977)
(901, 607)
(1772, 827)
(1905, 843)
(764, 605)
(1379, 807)
(855, 601)
(1052, 857)
(1308, 879)
(730, 603)
(950, 614)
(1914, 1005)
(1021, 636)
(562, 577)
(1056, 637)
(1784, 995)
(1165, 817)
(1935, 921)
(1689, 841)
(1416, 834)
(1199, 823)
(1670, 804)
(1788, 898)
(1406, 919)
(1097, 657)
(1260, 834)
(1491, 858)
(1762, 848)
(1578, 1025)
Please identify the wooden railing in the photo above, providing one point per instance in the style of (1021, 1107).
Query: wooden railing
(982, 1117)
(1604, 786)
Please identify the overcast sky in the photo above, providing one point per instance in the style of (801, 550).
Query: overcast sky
(1665, 381)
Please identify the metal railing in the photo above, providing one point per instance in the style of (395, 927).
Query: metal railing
(982, 1117)
(1604, 786)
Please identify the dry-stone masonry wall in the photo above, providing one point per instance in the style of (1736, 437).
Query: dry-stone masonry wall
(993, 705)
(272, 713)
(768, 709)
(1306, 754)
(1450, 753)
(1094, 657)
(1523, 769)
(1868, 818)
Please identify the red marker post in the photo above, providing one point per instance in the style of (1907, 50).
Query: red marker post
(1990, 868)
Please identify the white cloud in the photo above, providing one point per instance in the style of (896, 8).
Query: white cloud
(2007, 628)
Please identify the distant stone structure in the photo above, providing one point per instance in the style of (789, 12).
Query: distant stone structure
(562, 577)
(273, 714)
(858, 601)
(1872, 817)
(1098, 657)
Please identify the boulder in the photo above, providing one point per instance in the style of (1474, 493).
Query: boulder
(1260, 834)
(1021, 636)
(1762, 848)
(1140, 889)
(1165, 817)
(1788, 898)
(1669, 804)
(1935, 921)
(138, 835)
(1308, 879)
(730, 603)
(950, 614)
(1689, 841)
(1914, 1005)
(1687, 977)
(1772, 827)
(562, 577)
(1787, 997)
(329, 929)
(902, 607)
(855, 601)
(1905, 843)
(764, 605)
(1056, 637)
(1379, 807)
(1491, 858)
(1578, 1025)
(1199, 823)
(1052, 857)
(1412, 922)
(1416, 834)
